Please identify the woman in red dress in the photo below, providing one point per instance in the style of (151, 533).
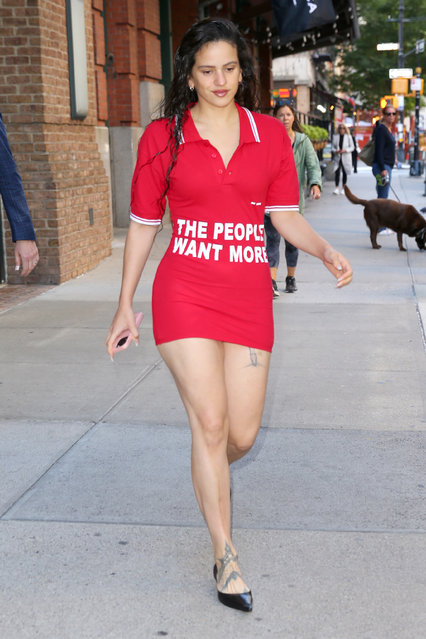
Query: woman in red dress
(221, 166)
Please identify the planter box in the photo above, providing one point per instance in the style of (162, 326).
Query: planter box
(319, 145)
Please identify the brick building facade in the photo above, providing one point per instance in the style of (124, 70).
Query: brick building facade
(58, 158)
(76, 171)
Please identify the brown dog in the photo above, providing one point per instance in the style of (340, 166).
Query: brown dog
(401, 218)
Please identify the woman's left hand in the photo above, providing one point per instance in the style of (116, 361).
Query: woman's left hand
(339, 266)
(315, 191)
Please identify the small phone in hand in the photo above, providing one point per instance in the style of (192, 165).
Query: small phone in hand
(124, 339)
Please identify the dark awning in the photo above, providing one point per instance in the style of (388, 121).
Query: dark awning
(294, 19)
(302, 25)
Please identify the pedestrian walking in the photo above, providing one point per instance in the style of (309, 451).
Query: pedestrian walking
(355, 152)
(384, 156)
(308, 172)
(220, 164)
(342, 146)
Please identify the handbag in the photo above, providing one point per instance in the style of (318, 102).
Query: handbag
(367, 152)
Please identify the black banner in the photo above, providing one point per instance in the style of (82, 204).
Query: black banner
(296, 16)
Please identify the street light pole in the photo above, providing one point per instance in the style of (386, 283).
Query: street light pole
(401, 35)
(400, 152)
(415, 168)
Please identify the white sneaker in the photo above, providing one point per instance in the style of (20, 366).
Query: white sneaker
(336, 191)
(386, 232)
(342, 192)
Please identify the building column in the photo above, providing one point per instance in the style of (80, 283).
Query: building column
(123, 100)
(133, 63)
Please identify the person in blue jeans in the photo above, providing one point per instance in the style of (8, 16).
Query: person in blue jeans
(16, 207)
(384, 154)
(309, 174)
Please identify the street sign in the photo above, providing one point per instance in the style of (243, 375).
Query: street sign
(400, 73)
(388, 46)
(416, 84)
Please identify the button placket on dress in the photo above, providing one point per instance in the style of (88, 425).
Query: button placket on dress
(216, 160)
(222, 172)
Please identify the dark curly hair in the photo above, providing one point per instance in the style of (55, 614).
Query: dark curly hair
(179, 96)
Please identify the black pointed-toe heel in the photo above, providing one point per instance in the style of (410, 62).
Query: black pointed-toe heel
(240, 601)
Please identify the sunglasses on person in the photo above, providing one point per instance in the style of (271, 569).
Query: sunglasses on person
(390, 113)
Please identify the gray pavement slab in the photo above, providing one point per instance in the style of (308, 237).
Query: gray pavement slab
(358, 342)
(79, 391)
(128, 582)
(28, 449)
(304, 479)
(366, 400)
(63, 361)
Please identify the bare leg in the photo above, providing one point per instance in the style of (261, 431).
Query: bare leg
(212, 379)
(246, 378)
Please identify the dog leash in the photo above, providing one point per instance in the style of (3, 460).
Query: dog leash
(393, 191)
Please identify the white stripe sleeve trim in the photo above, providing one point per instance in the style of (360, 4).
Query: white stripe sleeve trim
(142, 220)
(291, 207)
(252, 124)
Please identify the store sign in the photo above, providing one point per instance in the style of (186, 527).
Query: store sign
(284, 94)
(338, 116)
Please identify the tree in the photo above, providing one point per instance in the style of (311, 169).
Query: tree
(362, 71)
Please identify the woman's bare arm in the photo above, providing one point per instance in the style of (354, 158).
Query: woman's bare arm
(139, 241)
(300, 233)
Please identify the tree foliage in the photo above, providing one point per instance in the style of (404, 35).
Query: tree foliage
(363, 72)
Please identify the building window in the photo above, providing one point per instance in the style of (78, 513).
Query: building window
(77, 60)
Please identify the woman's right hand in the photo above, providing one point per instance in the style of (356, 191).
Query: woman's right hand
(315, 192)
(124, 319)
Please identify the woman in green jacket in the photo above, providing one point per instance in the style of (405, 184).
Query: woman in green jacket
(308, 172)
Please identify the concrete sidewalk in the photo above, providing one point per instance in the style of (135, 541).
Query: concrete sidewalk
(100, 534)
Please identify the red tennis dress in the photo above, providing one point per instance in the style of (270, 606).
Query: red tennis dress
(214, 281)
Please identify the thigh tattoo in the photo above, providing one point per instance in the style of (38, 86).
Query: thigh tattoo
(253, 358)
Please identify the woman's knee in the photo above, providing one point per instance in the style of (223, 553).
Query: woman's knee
(213, 429)
(240, 445)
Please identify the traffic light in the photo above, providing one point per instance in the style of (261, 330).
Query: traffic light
(389, 100)
(399, 86)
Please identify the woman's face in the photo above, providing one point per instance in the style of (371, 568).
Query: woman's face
(286, 116)
(216, 73)
(342, 130)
